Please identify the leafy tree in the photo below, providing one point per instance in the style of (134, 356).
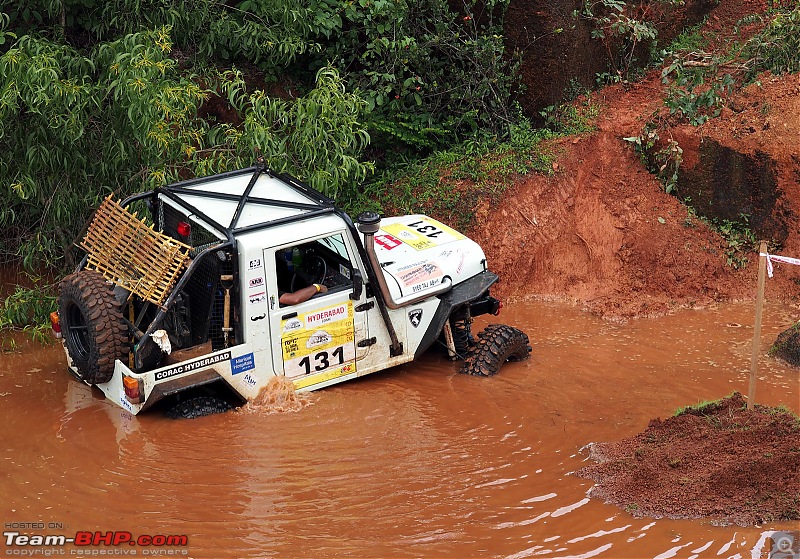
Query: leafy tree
(75, 128)
(317, 137)
(430, 75)
(267, 33)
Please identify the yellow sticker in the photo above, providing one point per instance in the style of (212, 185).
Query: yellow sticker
(423, 233)
(322, 377)
(319, 341)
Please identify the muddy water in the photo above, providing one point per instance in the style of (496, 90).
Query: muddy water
(418, 461)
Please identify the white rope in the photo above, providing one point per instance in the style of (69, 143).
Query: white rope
(774, 257)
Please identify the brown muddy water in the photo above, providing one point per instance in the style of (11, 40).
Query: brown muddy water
(415, 462)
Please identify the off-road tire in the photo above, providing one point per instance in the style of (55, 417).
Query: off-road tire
(198, 406)
(496, 344)
(92, 325)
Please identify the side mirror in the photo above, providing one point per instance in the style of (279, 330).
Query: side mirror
(358, 285)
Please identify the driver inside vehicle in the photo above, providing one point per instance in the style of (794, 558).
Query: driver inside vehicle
(288, 293)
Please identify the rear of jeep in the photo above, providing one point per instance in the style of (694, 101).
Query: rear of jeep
(150, 303)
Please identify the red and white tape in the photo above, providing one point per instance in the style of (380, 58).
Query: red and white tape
(775, 258)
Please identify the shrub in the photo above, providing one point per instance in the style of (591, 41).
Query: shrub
(777, 47)
(75, 128)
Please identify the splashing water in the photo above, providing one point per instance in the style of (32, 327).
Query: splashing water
(279, 395)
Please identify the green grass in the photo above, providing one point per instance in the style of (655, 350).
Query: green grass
(571, 118)
(701, 406)
(707, 405)
(692, 39)
(450, 185)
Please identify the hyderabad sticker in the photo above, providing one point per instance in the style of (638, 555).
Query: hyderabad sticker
(329, 315)
(321, 341)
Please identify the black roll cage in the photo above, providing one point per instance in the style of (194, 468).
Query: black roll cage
(322, 205)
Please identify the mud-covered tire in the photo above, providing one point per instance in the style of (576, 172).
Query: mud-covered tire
(496, 344)
(198, 406)
(91, 325)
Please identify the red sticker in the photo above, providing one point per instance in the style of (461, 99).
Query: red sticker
(387, 241)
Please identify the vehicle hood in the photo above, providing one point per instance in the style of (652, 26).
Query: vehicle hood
(417, 252)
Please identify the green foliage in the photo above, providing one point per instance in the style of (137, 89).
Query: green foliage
(571, 118)
(740, 239)
(101, 97)
(662, 158)
(699, 83)
(28, 309)
(5, 36)
(623, 27)
(669, 159)
(49, 17)
(429, 75)
(690, 40)
(317, 137)
(268, 33)
(777, 47)
(696, 93)
(75, 128)
(27, 305)
(452, 184)
(702, 406)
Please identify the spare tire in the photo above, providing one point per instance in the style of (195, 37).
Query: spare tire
(497, 344)
(92, 325)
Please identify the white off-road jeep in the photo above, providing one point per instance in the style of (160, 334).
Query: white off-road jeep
(179, 294)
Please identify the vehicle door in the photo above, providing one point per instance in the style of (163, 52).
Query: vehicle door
(316, 341)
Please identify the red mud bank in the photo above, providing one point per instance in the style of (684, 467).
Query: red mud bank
(601, 231)
(720, 461)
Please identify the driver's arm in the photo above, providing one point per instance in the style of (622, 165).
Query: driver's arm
(301, 295)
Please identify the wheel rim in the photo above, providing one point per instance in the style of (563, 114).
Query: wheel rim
(78, 332)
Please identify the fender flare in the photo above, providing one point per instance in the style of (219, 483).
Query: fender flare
(464, 293)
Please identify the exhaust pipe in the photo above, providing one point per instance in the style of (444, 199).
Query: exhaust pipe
(368, 224)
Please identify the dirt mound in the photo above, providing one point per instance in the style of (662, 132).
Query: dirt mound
(718, 461)
(601, 230)
(787, 345)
